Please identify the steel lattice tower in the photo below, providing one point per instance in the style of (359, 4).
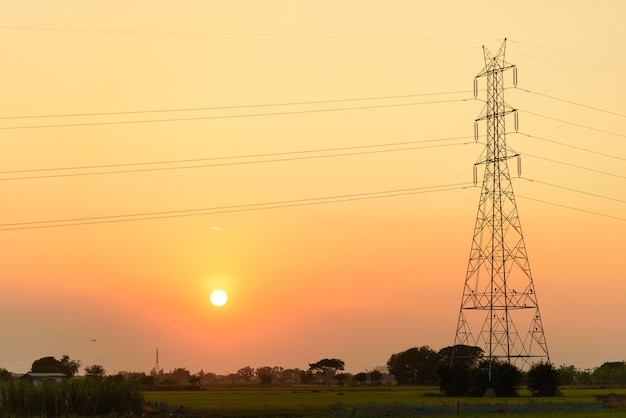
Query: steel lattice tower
(499, 310)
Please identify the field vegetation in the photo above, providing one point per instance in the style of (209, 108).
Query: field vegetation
(369, 401)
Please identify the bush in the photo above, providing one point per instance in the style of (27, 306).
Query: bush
(543, 380)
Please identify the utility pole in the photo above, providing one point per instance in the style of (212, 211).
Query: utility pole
(499, 309)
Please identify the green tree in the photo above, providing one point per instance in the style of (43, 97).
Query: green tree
(327, 368)
(95, 371)
(611, 372)
(568, 375)
(543, 380)
(415, 366)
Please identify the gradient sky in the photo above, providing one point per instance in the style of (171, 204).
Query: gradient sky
(359, 279)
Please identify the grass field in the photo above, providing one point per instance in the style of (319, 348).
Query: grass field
(313, 401)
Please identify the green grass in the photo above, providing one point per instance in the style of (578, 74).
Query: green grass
(273, 401)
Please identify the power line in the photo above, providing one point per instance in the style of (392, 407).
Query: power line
(230, 209)
(572, 102)
(573, 123)
(223, 158)
(233, 116)
(573, 208)
(194, 109)
(569, 52)
(252, 36)
(571, 146)
(572, 190)
(576, 166)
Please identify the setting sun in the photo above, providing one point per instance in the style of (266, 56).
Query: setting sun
(219, 297)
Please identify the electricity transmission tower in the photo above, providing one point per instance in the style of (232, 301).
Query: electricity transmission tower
(499, 310)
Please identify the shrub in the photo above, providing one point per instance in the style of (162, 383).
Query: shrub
(543, 380)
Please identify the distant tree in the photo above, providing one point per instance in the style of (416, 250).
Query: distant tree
(306, 377)
(95, 371)
(289, 376)
(415, 366)
(375, 376)
(265, 374)
(342, 378)
(543, 380)
(245, 373)
(568, 375)
(327, 368)
(611, 372)
(360, 378)
(178, 376)
(52, 365)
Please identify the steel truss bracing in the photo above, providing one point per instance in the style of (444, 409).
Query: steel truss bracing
(499, 309)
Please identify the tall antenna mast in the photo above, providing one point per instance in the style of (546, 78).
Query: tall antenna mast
(499, 310)
(157, 368)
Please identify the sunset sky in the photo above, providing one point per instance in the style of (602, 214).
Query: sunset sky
(314, 160)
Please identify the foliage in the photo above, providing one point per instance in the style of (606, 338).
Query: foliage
(455, 380)
(375, 376)
(95, 371)
(85, 397)
(543, 380)
(327, 368)
(5, 375)
(368, 401)
(568, 375)
(266, 374)
(52, 365)
(360, 378)
(463, 355)
(613, 372)
(503, 377)
(415, 366)
(456, 371)
(245, 373)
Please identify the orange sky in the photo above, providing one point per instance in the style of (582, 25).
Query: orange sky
(357, 280)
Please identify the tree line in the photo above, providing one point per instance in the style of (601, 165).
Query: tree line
(457, 370)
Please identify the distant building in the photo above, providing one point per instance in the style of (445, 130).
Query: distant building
(37, 378)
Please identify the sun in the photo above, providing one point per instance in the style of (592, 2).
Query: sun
(219, 297)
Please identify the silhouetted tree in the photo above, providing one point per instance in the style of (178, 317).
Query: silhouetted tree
(375, 376)
(265, 374)
(52, 365)
(543, 380)
(360, 378)
(457, 367)
(95, 371)
(415, 366)
(505, 378)
(327, 368)
(245, 373)
(342, 377)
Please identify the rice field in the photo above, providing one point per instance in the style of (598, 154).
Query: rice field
(311, 401)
